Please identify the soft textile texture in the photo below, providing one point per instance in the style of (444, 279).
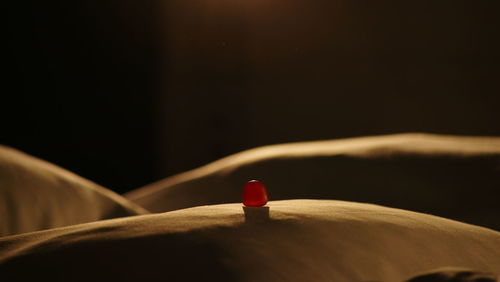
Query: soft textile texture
(36, 195)
(452, 176)
(301, 240)
(453, 274)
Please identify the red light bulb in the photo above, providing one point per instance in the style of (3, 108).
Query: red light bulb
(254, 194)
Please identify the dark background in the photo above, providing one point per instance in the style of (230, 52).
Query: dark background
(127, 92)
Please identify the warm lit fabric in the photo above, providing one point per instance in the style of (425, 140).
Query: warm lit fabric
(302, 240)
(37, 195)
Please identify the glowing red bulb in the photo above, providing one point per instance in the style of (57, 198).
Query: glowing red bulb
(254, 194)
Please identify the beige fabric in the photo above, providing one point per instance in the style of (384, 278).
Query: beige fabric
(36, 195)
(302, 240)
(451, 176)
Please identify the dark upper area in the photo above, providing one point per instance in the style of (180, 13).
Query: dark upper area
(126, 92)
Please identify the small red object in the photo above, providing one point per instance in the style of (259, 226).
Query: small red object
(254, 194)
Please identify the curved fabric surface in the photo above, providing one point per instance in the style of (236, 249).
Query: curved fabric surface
(36, 195)
(300, 240)
(451, 176)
